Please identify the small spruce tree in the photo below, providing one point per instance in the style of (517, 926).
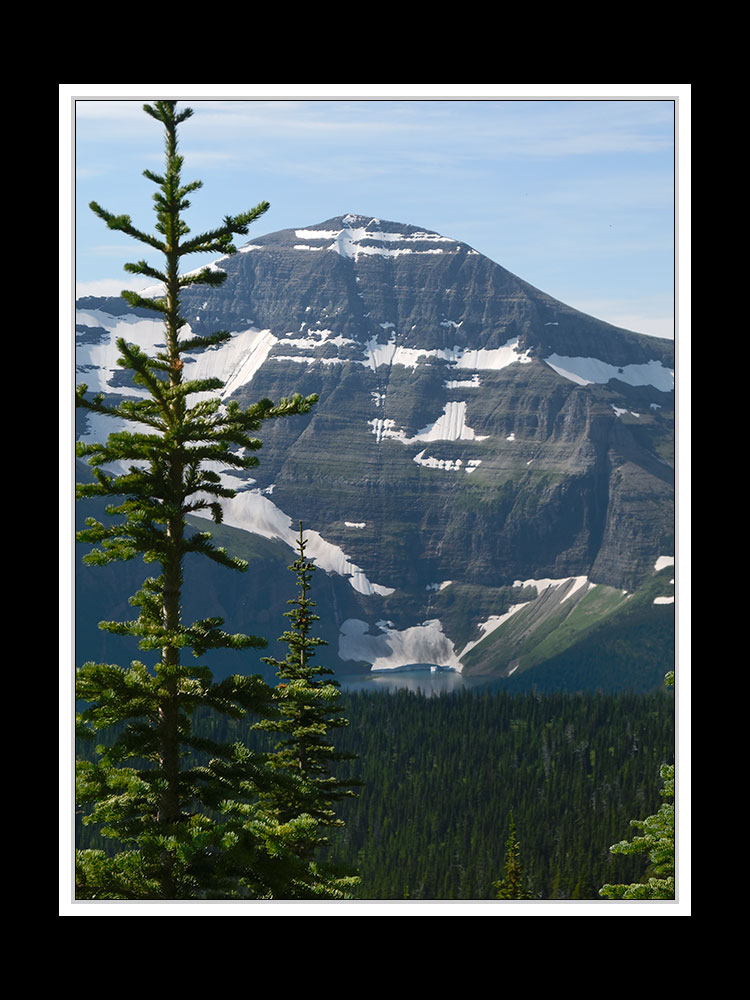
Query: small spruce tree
(512, 886)
(182, 809)
(308, 706)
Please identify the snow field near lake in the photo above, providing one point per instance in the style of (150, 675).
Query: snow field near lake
(392, 649)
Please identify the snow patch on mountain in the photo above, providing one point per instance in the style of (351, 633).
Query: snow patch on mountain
(472, 383)
(494, 622)
(585, 371)
(488, 627)
(482, 359)
(255, 513)
(386, 428)
(378, 354)
(308, 361)
(96, 364)
(542, 585)
(235, 361)
(394, 649)
(359, 236)
(449, 464)
(450, 426)
(619, 411)
(238, 361)
(490, 359)
(662, 562)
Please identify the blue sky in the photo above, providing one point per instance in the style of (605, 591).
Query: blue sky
(576, 196)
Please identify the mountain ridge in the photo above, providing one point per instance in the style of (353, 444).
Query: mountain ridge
(470, 428)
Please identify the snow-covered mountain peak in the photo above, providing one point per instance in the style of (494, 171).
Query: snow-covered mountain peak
(470, 428)
(353, 236)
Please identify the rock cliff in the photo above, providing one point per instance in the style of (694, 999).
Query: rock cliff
(472, 433)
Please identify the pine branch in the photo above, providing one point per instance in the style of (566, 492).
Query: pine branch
(206, 276)
(220, 238)
(124, 224)
(142, 267)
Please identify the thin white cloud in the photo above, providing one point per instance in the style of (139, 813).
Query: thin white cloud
(109, 286)
(641, 316)
(498, 129)
(114, 250)
(108, 110)
(653, 326)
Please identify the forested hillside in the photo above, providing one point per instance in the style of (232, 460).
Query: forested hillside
(440, 777)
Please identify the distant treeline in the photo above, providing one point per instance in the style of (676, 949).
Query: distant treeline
(441, 775)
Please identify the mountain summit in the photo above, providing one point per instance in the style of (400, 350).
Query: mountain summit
(488, 476)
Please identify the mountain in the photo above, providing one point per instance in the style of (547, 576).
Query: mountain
(487, 480)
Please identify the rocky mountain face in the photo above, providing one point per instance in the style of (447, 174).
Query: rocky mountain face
(481, 455)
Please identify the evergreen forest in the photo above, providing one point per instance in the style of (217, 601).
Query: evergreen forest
(437, 779)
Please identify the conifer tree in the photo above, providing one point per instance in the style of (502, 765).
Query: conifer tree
(512, 886)
(182, 809)
(657, 841)
(308, 708)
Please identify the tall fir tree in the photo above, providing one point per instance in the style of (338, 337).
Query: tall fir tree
(182, 809)
(513, 885)
(308, 709)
